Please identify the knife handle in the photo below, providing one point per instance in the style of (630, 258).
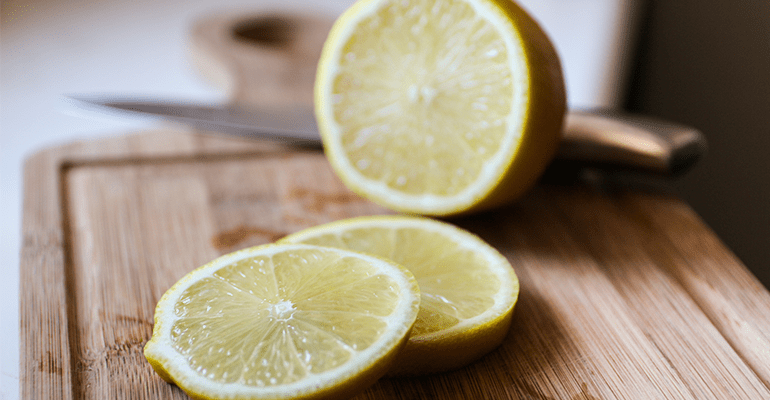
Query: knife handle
(608, 139)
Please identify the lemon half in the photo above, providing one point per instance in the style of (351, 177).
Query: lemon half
(468, 289)
(439, 107)
(283, 321)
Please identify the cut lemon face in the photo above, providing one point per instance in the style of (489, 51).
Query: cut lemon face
(283, 321)
(468, 289)
(439, 107)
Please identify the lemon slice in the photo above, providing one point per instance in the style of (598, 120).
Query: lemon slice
(283, 321)
(439, 107)
(468, 289)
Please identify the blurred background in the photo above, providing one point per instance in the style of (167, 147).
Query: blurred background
(704, 63)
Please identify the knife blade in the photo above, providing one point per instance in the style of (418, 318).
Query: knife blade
(593, 138)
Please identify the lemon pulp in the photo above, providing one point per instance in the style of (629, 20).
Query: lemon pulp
(425, 71)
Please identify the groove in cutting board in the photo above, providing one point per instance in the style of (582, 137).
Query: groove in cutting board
(69, 283)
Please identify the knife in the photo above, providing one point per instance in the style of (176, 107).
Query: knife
(593, 138)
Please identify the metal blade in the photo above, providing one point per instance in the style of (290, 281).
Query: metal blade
(293, 125)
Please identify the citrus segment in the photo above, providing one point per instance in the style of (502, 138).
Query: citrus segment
(425, 106)
(283, 321)
(468, 290)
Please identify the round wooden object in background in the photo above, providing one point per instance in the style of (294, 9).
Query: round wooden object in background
(263, 59)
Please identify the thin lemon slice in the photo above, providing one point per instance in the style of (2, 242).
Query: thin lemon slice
(439, 107)
(468, 289)
(283, 321)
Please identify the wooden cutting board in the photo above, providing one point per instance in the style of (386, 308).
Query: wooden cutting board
(625, 293)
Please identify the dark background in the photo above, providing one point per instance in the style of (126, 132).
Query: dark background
(706, 63)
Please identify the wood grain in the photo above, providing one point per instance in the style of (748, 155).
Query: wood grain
(625, 294)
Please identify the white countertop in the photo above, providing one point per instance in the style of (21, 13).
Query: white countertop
(51, 48)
